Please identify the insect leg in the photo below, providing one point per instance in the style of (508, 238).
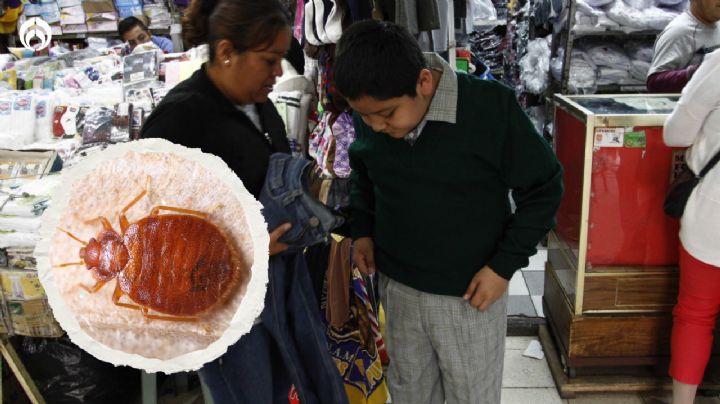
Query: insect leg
(117, 294)
(94, 288)
(156, 210)
(124, 224)
(105, 223)
(72, 236)
(69, 264)
(146, 314)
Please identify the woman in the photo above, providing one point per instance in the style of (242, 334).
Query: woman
(695, 122)
(224, 109)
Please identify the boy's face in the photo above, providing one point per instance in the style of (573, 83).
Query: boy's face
(397, 116)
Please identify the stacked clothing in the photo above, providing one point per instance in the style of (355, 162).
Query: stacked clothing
(487, 46)
(597, 63)
(158, 14)
(625, 15)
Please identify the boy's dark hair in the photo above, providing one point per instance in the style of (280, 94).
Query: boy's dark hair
(377, 59)
(129, 23)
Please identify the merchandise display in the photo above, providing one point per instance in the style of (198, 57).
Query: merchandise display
(187, 309)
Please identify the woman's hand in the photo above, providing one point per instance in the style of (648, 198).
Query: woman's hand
(275, 246)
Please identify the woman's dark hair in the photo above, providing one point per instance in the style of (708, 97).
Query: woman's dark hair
(129, 23)
(248, 24)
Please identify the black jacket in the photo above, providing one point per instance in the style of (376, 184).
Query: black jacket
(195, 114)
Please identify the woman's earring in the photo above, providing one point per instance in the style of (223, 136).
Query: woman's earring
(227, 61)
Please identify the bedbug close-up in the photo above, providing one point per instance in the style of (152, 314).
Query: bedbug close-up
(178, 265)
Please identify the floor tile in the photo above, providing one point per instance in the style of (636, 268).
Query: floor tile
(607, 398)
(531, 396)
(537, 261)
(535, 282)
(521, 306)
(665, 397)
(517, 285)
(521, 371)
(518, 343)
(537, 302)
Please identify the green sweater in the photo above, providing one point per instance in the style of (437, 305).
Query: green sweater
(438, 211)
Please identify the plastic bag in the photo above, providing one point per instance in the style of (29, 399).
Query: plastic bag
(638, 50)
(582, 77)
(640, 4)
(482, 10)
(658, 18)
(64, 373)
(627, 16)
(609, 55)
(535, 66)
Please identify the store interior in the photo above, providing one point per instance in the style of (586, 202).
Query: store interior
(595, 300)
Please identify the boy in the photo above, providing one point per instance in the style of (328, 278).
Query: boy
(435, 157)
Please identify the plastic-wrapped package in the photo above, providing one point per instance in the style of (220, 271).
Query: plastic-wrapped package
(668, 3)
(583, 76)
(44, 107)
(17, 119)
(584, 8)
(608, 54)
(585, 20)
(640, 69)
(535, 66)
(598, 3)
(640, 4)
(556, 65)
(611, 75)
(638, 50)
(658, 18)
(482, 10)
(627, 16)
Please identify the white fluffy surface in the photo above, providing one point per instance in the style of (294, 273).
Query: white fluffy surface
(102, 185)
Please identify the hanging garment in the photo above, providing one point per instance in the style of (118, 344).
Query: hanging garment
(357, 347)
(418, 15)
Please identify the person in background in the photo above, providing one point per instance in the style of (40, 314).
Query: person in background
(681, 46)
(435, 157)
(135, 32)
(695, 122)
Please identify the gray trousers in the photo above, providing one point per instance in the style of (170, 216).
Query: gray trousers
(442, 349)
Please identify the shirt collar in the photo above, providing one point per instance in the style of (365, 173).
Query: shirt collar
(444, 103)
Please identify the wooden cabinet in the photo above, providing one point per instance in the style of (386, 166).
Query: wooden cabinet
(612, 278)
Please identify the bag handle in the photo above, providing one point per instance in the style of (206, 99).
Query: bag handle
(710, 164)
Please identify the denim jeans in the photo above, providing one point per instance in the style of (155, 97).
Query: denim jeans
(287, 348)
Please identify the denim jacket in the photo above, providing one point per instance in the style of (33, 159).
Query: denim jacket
(285, 198)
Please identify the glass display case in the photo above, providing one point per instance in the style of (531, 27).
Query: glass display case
(611, 279)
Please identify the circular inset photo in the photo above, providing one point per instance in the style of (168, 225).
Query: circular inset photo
(154, 256)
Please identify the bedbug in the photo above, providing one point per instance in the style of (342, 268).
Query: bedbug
(179, 264)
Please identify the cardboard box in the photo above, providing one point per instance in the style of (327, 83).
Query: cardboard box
(33, 318)
(98, 6)
(19, 284)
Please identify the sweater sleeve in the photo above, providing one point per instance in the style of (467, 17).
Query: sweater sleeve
(671, 81)
(362, 197)
(699, 97)
(533, 173)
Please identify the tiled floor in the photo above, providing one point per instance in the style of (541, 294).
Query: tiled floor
(526, 288)
(528, 381)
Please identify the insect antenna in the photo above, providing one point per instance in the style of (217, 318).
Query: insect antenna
(72, 236)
